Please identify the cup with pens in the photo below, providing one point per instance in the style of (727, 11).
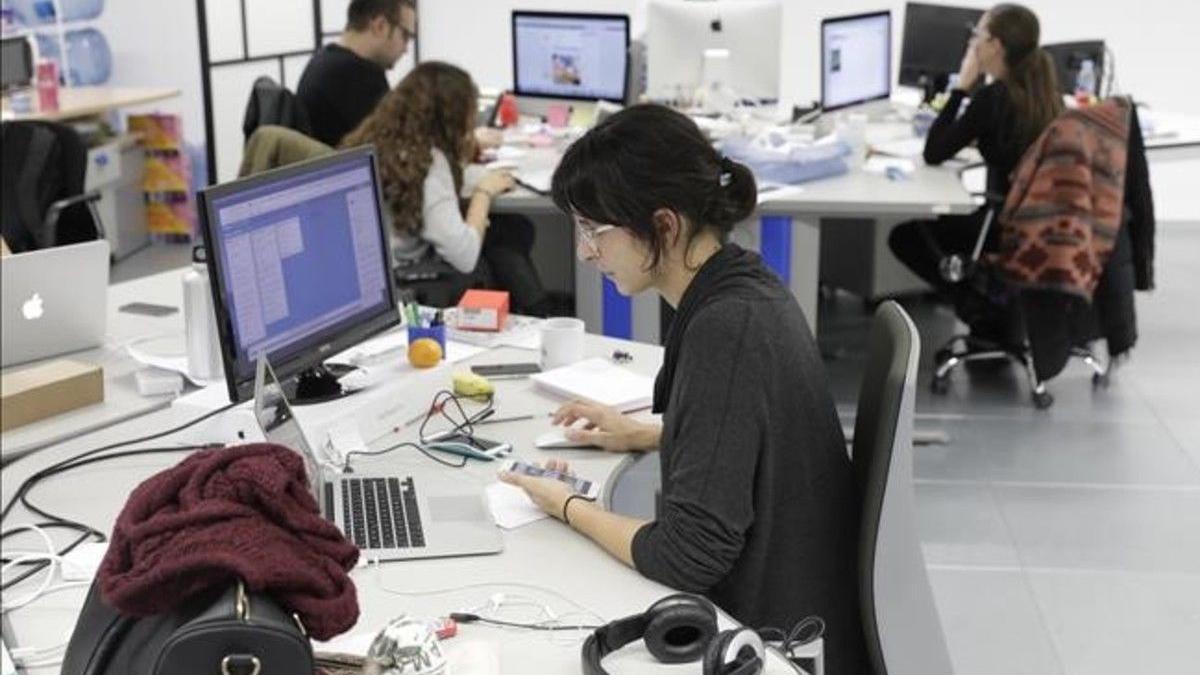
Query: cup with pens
(428, 325)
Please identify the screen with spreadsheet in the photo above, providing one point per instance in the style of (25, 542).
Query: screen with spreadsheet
(302, 260)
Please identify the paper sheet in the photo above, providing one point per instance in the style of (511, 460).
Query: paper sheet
(176, 364)
(511, 507)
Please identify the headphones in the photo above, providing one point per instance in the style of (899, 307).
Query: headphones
(677, 629)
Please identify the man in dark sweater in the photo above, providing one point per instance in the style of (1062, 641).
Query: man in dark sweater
(344, 81)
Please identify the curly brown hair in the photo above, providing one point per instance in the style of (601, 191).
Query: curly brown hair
(433, 107)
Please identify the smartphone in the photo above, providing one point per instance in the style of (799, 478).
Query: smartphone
(147, 309)
(506, 369)
(467, 446)
(582, 486)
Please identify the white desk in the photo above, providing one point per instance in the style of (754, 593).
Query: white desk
(786, 230)
(546, 553)
(121, 399)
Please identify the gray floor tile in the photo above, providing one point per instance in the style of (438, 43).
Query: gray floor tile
(992, 624)
(1117, 623)
(1044, 449)
(1186, 431)
(961, 525)
(1131, 529)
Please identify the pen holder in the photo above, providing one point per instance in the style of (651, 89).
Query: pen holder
(435, 333)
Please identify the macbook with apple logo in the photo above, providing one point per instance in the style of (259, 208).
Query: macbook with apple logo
(54, 301)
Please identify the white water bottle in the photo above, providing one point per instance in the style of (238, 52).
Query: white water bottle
(203, 343)
(1085, 80)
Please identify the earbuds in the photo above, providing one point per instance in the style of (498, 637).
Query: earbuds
(678, 629)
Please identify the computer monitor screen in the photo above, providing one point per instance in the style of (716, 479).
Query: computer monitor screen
(16, 63)
(678, 32)
(1068, 57)
(571, 56)
(299, 265)
(856, 59)
(935, 40)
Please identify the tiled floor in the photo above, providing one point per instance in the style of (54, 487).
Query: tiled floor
(1067, 541)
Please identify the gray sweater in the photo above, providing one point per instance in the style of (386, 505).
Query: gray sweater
(444, 232)
(759, 508)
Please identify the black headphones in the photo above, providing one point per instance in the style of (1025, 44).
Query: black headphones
(677, 629)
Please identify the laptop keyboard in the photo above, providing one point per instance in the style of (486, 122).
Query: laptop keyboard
(379, 513)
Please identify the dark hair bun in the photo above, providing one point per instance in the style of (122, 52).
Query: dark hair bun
(736, 197)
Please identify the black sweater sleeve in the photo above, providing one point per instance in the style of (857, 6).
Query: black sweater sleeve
(951, 133)
(716, 433)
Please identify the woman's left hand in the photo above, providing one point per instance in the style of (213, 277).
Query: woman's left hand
(549, 494)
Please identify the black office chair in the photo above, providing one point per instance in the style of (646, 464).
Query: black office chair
(900, 622)
(271, 103)
(43, 201)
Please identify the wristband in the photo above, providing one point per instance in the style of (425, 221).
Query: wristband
(567, 504)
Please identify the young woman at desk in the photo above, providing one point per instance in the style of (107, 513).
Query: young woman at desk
(1003, 119)
(424, 136)
(759, 506)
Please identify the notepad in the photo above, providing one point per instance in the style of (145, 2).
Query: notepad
(599, 381)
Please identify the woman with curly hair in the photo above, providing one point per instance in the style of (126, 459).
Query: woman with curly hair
(424, 135)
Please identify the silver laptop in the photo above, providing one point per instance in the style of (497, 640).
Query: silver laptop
(389, 517)
(54, 301)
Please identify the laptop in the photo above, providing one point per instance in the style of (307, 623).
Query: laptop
(54, 301)
(388, 516)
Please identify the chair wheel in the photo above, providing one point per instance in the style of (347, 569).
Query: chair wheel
(1100, 381)
(940, 385)
(1043, 400)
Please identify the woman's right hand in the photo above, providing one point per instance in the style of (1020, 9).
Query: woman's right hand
(606, 428)
(496, 182)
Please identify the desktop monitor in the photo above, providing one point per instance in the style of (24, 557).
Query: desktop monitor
(1069, 56)
(679, 32)
(570, 56)
(856, 59)
(299, 265)
(935, 40)
(16, 63)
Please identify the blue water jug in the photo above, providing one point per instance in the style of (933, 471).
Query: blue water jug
(38, 12)
(90, 59)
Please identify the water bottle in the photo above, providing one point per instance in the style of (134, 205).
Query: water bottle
(203, 343)
(88, 55)
(34, 12)
(1085, 80)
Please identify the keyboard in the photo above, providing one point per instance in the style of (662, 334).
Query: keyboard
(379, 513)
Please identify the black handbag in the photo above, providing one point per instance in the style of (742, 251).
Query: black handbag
(230, 633)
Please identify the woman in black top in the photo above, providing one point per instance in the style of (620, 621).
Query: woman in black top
(1003, 118)
(759, 508)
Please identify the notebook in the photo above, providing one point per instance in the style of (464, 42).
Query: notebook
(599, 381)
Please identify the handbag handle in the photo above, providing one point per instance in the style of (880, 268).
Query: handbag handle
(240, 662)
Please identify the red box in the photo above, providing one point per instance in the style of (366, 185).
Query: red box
(483, 310)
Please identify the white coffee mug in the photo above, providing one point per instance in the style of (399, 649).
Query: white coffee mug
(562, 342)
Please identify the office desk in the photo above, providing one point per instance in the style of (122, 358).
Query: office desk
(162, 336)
(77, 102)
(786, 230)
(545, 554)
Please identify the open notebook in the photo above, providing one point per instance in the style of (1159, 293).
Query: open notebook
(599, 381)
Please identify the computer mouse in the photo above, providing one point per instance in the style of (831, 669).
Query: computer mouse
(557, 440)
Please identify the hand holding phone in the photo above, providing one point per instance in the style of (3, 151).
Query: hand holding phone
(580, 486)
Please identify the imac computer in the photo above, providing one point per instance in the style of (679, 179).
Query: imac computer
(569, 57)
(935, 40)
(1068, 57)
(299, 264)
(738, 39)
(856, 60)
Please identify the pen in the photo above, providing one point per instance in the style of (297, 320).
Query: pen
(498, 420)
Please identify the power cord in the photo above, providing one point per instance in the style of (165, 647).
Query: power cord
(466, 617)
(463, 425)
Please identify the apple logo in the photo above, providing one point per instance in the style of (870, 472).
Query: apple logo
(32, 308)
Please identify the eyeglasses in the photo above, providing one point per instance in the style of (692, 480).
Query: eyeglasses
(589, 234)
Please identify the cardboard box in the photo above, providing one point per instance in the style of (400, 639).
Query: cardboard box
(48, 389)
(483, 310)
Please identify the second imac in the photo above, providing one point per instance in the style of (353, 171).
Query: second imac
(299, 265)
(935, 40)
(569, 57)
(733, 42)
(856, 59)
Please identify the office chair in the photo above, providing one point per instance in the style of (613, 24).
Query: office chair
(43, 201)
(271, 103)
(900, 622)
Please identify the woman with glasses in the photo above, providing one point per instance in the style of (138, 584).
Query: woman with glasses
(759, 509)
(1003, 118)
(443, 238)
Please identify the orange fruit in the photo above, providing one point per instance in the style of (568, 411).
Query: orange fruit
(424, 353)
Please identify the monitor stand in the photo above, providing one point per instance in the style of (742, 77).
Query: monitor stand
(318, 384)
